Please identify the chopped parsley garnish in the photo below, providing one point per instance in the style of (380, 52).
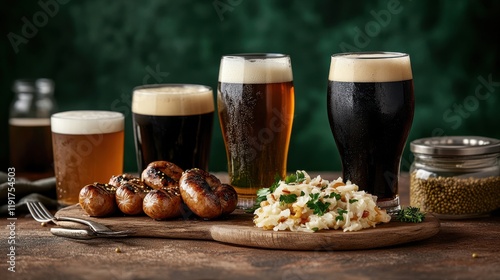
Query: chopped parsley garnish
(288, 198)
(298, 177)
(261, 196)
(319, 207)
(351, 201)
(263, 192)
(334, 195)
(340, 217)
(275, 184)
(410, 215)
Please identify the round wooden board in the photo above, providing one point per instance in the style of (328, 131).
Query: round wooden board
(238, 229)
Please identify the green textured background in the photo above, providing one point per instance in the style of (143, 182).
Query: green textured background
(97, 51)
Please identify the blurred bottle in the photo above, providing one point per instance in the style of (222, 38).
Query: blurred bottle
(29, 128)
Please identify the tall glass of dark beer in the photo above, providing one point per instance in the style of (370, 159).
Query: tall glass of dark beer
(173, 122)
(255, 102)
(370, 108)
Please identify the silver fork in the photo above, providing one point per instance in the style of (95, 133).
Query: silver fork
(41, 214)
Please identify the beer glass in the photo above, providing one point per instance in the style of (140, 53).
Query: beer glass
(29, 128)
(255, 101)
(173, 122)
(370, 108)
(88, 148)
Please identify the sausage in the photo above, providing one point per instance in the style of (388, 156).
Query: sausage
(160, 193)
(163, 203)
(118, 180)
(204, 194)
(228, 198)
(161, 174)
(98, 199)
(129, 197)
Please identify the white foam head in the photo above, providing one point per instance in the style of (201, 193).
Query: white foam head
(29, 121)
(172, 100)
(370, 67)
(87, 122)
(255, 69)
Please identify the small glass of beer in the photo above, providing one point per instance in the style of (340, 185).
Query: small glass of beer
(29, 128)
(88, 148)
(370, 105)
(173, 122)
(256, 105)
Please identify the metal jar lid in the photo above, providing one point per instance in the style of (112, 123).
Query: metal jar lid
(455, 146)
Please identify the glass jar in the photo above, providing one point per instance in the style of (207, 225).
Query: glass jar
(455, 177)
(29, 128)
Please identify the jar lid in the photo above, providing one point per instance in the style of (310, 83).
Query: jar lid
(455, 146)
(24, 86)
(45, 86)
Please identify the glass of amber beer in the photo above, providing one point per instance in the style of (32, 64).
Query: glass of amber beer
(88, 148)
(370, 105)
(256, 104)
(173, 122)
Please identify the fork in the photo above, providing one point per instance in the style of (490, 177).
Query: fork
(41, 214)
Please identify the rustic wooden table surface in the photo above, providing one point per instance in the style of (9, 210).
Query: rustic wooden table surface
(463, 249)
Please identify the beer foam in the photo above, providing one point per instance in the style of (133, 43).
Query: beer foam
(87, 122)
(259, 70)
(172, 100)
(370, 67)
(29, 121)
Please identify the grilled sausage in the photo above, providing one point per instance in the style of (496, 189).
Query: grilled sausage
(163, 203)
(161, 174)
(129, 197)
(98, 199)
(204, 194)
(118, 180)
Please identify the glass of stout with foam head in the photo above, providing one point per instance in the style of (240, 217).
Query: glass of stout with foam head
(370, 108)
(173, 122)
(255, 101)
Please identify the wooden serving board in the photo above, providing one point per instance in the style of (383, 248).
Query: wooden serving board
(238, 229)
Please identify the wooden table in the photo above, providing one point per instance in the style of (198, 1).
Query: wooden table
(447, 255)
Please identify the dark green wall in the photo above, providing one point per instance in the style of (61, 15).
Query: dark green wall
(97, 51)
